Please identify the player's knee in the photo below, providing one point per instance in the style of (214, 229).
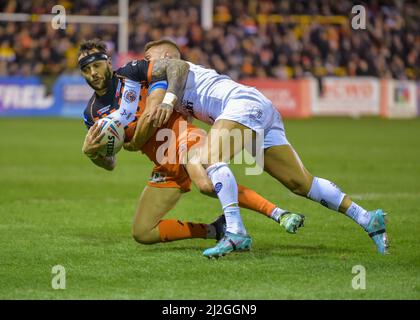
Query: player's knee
(205, 187)
(142, 235)
(300, 188)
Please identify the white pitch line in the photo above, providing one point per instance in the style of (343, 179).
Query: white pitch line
(373, 196)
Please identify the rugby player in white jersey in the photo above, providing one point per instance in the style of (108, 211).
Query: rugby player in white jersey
(227, 105)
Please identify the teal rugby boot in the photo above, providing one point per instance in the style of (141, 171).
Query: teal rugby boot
(230, 242)
(376, 230)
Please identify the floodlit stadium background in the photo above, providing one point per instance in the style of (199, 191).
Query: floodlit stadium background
(350, 99)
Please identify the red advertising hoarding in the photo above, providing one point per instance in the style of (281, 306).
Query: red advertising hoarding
(291, 98)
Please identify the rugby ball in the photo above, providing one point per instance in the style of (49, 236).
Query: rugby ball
(114, 136)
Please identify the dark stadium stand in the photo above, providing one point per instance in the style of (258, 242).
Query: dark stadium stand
(279, 39)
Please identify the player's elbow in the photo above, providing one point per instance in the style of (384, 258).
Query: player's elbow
(185, 66)
(110, 163)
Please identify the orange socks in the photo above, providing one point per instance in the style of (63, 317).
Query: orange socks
(249, 199)
(171, 230)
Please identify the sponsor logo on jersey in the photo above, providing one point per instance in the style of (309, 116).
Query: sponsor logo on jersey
(126, 114)
(256, 113)
(103, 110)
(129, 96)
(188, 106)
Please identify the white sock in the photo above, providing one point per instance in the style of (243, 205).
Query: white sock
(277, 213)
(326, 193)
(358, 214)
(234, 222)
(226, 188)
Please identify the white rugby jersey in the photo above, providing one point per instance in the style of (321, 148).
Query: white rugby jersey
(206, 93)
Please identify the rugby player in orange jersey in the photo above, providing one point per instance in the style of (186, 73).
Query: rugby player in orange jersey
(122, 94)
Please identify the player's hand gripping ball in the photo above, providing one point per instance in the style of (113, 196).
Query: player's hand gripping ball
(114, 136)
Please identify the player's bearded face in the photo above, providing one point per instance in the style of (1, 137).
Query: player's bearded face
(97, 74)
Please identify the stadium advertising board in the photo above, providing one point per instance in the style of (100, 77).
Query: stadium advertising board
(25, 96)
(28, 96)
(72, 93)
(348, 97)
(291, 97)
(399, 99)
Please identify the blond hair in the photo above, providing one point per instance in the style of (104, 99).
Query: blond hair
(160, 42)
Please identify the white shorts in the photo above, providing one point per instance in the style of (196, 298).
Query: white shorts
(252, 109)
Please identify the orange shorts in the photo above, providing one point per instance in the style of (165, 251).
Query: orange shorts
(168, 149)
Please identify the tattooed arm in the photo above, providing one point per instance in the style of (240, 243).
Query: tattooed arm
(175, 71)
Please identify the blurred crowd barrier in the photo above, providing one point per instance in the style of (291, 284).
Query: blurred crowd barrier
(295, 98)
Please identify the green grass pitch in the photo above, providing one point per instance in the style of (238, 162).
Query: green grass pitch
(56, 208)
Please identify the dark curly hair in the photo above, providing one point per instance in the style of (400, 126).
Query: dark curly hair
(88, 45)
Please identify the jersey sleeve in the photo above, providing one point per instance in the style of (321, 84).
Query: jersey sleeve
(87, 118)
(137, 70)
(128, 103)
